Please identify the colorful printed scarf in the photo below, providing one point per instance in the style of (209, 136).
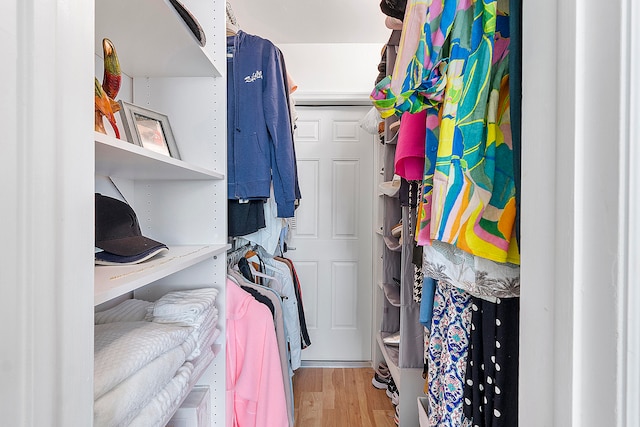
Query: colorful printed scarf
(453, 62)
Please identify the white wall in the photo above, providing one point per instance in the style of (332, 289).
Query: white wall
(333, 68)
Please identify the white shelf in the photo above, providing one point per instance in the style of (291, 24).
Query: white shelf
(113, 281)
(115, 157)
(160, 47)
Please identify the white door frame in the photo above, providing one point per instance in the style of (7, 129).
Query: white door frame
(46, 256)
(629, 269)
(579, 320)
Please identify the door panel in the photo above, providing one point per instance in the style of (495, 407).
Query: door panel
(307, 220)
(332, 237)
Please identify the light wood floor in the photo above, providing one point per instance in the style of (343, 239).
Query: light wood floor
(332, 397)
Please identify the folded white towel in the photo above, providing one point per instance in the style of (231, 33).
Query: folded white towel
(122, 348)
(183, 307)
(190, 346)
(127, 399)
(201, 331)
(166, 401)
(131, 310)
(206, 347)
(207, 324)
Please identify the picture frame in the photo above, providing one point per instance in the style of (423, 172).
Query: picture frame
(148, 129)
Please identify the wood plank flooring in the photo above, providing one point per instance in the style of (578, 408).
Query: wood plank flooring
(340, 397)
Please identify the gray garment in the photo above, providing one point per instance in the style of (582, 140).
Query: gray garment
(478, 276)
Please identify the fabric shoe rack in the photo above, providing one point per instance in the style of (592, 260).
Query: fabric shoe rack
(398, 311)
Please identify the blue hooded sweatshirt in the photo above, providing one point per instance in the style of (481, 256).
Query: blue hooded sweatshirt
(259, 137)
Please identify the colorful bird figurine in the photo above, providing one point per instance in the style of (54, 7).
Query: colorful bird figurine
(112, 76)
(106, 92)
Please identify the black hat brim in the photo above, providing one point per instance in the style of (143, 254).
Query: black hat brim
(129, 246)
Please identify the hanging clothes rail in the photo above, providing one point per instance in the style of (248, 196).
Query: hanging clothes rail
(237, 251)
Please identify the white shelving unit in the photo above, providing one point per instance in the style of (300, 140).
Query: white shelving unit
(180, 202)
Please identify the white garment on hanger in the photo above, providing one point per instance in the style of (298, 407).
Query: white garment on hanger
(285, 287)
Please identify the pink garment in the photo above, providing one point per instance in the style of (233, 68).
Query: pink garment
(409, 161)
(255, 388)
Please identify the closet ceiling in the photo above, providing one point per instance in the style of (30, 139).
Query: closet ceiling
(313, 21)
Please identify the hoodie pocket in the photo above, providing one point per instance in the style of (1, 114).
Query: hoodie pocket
(251, 160)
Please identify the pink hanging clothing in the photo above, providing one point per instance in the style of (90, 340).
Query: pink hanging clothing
(255, 388)
(409, 160)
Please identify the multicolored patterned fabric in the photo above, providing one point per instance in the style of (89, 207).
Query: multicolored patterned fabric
(453, 62)
(418, 79)
(447, 358)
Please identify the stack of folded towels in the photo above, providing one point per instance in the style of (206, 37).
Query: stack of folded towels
(148, 355)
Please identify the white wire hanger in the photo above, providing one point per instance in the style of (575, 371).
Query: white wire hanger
(232, 22)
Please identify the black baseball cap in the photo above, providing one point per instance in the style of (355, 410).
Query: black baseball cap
(190, 21)
(118, 230)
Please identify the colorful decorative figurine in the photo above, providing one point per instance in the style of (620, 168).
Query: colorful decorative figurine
(106, 92)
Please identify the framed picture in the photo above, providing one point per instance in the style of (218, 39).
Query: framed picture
(148, 129)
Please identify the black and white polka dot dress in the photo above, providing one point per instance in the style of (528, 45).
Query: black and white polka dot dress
(491, 378)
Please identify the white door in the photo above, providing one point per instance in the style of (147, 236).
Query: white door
(332, 236)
